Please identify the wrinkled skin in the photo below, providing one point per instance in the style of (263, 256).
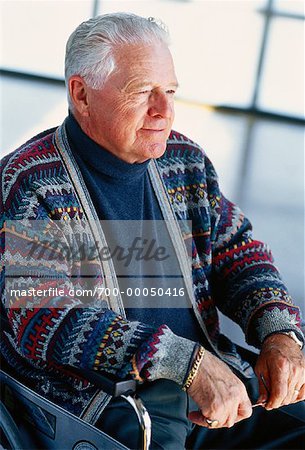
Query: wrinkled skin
(282, 364)
(131, 115)
(220, 395)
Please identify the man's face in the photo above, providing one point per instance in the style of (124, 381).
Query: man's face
(132, 114)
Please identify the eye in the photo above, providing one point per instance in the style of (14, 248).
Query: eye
(171, 91)
(145, 91)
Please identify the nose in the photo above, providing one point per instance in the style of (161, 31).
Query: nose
(161, 105)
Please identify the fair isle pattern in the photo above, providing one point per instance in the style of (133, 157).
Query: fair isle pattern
(231, 271)
(222, 235)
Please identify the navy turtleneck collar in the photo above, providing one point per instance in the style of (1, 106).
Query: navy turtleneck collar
(98, 157)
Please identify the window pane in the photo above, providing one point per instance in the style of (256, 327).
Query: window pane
(291, 6)
(282, 88)
(34, 33)
(215, 45)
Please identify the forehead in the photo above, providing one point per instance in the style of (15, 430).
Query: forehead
(144, 62)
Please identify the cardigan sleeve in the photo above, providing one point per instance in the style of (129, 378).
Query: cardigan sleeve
(54, 328)
(51, 327)
(247, 285)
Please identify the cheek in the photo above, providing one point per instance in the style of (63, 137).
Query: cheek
(124, 129)
(101, 117)
(134, 111)
(173, 111)
(131, 121)
(125, 119)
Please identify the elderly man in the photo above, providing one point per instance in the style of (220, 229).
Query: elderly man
(116, 158)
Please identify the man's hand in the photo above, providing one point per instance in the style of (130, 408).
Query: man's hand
(282, 364)
(219, 394)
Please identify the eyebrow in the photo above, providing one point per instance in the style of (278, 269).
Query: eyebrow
(138, 85)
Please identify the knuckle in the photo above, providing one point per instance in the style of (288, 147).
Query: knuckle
(230, 423)
(245, 411)
(287, 400)
(240, 395)
(280, 391)
(243, 390)
(283, 364)
(216, 406)
(276, 403)
(240, 385)
(248, 413)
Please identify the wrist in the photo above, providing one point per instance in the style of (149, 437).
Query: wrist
(169, 360)
(289, 334)
(194, 368)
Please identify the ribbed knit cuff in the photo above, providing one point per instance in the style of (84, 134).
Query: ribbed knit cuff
(171, 361)
(276, 320)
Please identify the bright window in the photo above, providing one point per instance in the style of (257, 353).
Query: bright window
(216, 45)
(34, 33)
(290, 6)
(282, 86)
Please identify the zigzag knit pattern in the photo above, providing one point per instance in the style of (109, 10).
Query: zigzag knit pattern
(231, 272)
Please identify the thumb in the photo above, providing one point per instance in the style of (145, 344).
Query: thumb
(197, 418)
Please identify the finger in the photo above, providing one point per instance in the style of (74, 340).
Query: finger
(232, 419)
(299, 388)
(200, 417)
(220, 411)
(197, 418)
(263, 392)
(293, 395)
(278, 385)
(245, 411)
(238, 417)
(299, 394)
(294, 385)
(277, 396)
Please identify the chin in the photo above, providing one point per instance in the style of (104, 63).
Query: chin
(145, 151)
(156, 150)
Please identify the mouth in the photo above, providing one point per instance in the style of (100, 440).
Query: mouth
(153, 130)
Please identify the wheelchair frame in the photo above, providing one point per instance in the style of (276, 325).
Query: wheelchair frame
(48, 426)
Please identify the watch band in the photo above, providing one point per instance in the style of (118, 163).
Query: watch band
(293, 336)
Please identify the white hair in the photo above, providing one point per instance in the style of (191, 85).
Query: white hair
(89, 50)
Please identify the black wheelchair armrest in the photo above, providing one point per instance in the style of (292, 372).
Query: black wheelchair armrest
(109, 383)
(127, 389)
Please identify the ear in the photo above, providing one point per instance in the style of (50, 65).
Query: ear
(79, 95)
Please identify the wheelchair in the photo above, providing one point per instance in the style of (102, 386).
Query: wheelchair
(30, 422)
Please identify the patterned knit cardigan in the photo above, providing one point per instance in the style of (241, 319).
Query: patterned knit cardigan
(230, 272)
